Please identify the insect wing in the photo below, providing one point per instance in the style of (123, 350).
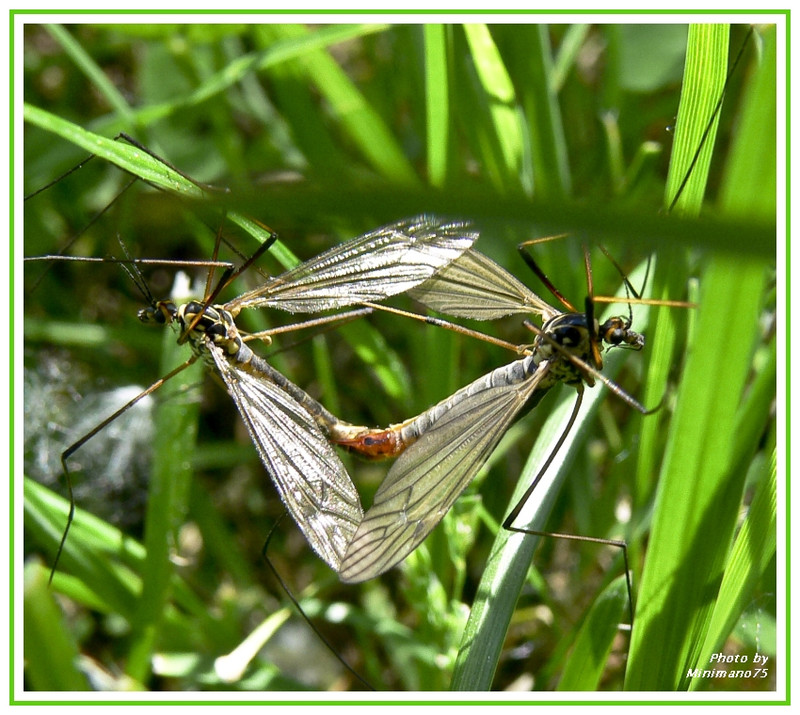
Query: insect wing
(430, 475)
(379, 264)
(474, 286)
(309, 476)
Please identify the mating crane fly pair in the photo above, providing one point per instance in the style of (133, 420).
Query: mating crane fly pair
(441, 449)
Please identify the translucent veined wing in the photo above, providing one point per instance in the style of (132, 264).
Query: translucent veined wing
(430, 474)
(379, 264)
(309, 476)
(474, 286)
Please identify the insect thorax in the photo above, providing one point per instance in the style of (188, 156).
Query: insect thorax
(566, 333)
(216, 325)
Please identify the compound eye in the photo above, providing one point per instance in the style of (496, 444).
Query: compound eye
(148, 315)
(157, 314)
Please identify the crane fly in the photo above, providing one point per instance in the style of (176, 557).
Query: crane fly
(292, 431)
(442, 449)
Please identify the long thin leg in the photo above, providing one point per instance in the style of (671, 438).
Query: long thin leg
(300, 610)
(69, 451)
(515, 512)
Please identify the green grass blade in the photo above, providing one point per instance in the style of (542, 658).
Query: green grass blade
(363, 126)
(704, 70)
(83, 60)
(51, 654)
(437, 104)
(90, 560)
(149, 169)
(587, 662)
(125, 156)
(703, 81)
(503, 137)
(752, 551)
(704, 77)
(173, 446)
(549, 157)
(699, 493)
(697, 502)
